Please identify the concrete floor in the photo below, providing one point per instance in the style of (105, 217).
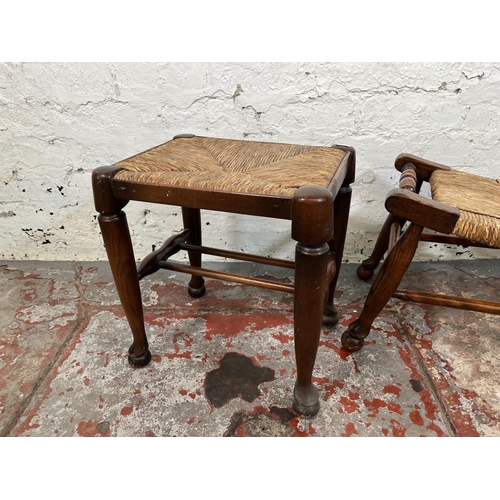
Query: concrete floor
(223, 365)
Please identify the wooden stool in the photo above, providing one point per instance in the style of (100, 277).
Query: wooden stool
(309, 185)
(464, 209)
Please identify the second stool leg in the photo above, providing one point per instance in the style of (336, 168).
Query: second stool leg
(342, 206)
(386, 282)
(191, 218)
(312, 228)
(368, 266)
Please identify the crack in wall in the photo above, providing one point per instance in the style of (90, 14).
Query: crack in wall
(327, 103)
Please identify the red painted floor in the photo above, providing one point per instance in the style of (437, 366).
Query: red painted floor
(224, 365)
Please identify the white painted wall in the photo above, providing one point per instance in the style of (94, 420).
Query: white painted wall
(59, 121)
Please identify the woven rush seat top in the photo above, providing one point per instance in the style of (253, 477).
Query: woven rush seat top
(477, 198)
(249, 167)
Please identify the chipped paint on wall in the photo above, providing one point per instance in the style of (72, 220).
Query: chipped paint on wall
(58, 121)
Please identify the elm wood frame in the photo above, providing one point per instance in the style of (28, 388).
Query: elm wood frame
(319, 219)
(408, 208)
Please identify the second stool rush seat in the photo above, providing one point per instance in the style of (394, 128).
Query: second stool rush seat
(308, 185)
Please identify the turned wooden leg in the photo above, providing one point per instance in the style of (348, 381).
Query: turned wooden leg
(116, 236)
(192, 220)
(368, 266)
(312, 228)
(388, 279)
(341, 209)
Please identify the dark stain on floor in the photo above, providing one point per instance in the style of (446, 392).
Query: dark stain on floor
(416, 385)
(237, 376)
(263, 422)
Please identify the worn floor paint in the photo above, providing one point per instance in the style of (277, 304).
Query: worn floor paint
(224, 365)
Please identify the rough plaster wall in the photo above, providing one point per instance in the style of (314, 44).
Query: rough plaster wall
(59, 121)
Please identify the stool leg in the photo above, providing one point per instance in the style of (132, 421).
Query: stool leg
(312, 228)
(341, 209)
(192, 220)
(388, 279)
(116, 236)
(368, 266)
